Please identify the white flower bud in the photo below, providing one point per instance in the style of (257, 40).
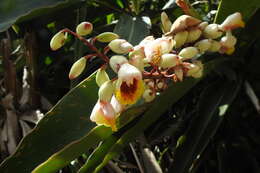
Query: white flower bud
(203, 45)
(101, 77)
(116, 61)
(106, 91)
(215, 46)
(188, 53)
(137, 51)
(203, 25)
(195, 69)
(179, 73)
(77, 68)
(169, 60)
(193, 35)
(192, 68)
(148, 95)
(146, 40)
(166, 23)
(84, 28)
(58, 40)
(106, 37)
(182, 23)
(212, 31)
(180, 38)
(120, 46)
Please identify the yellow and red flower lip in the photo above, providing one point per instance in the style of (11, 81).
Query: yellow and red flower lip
(129, 84)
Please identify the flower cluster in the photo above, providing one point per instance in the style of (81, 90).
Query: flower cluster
(145, 70)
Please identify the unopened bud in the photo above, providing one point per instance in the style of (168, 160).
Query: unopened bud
(193, 35)
(116, 61)
(101, 77)
(169, 60)
(148, 95)
(166, 23)
(215, 46)
(232, 21)
(183, 22)
(84, 28)
(188, 53)
(106, 37)
(179, 73)
(192, 68)
(212, 31)
(120, 46)
(196, 69)
(203, 45)
(146, 40)
(137, 51)
(160, 85)
(180, 38)
(58, 40)
(77, 68)
(203, 25)
(106, 91)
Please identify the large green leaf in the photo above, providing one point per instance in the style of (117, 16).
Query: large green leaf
(73, 150)
(212, 106)
(245, 7)
(13, 10)
(97, 156)
(133, 29)
(91, 139)
(67, 122)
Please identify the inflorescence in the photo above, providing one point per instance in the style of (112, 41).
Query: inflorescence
(146, 69)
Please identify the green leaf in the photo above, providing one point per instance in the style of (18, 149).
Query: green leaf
(73, 150)
(212, 105)
(245, 7)
(78, 147)
(13, 10)
(133, 29)
(97, 156)
(67, 122)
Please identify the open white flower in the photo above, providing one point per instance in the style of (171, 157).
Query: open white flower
(129, 86)
(232, 21)
(103, 113)
(155, 49)
(228, 43)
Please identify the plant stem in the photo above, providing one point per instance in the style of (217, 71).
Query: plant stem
(88, 44)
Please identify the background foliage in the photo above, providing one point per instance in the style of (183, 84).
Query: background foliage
(207, 125)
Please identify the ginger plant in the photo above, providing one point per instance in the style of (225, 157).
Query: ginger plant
(145, 70)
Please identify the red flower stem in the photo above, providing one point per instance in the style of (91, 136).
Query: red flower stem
(93, 41)
(106, 50)
(90, 56)
(88, 44)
